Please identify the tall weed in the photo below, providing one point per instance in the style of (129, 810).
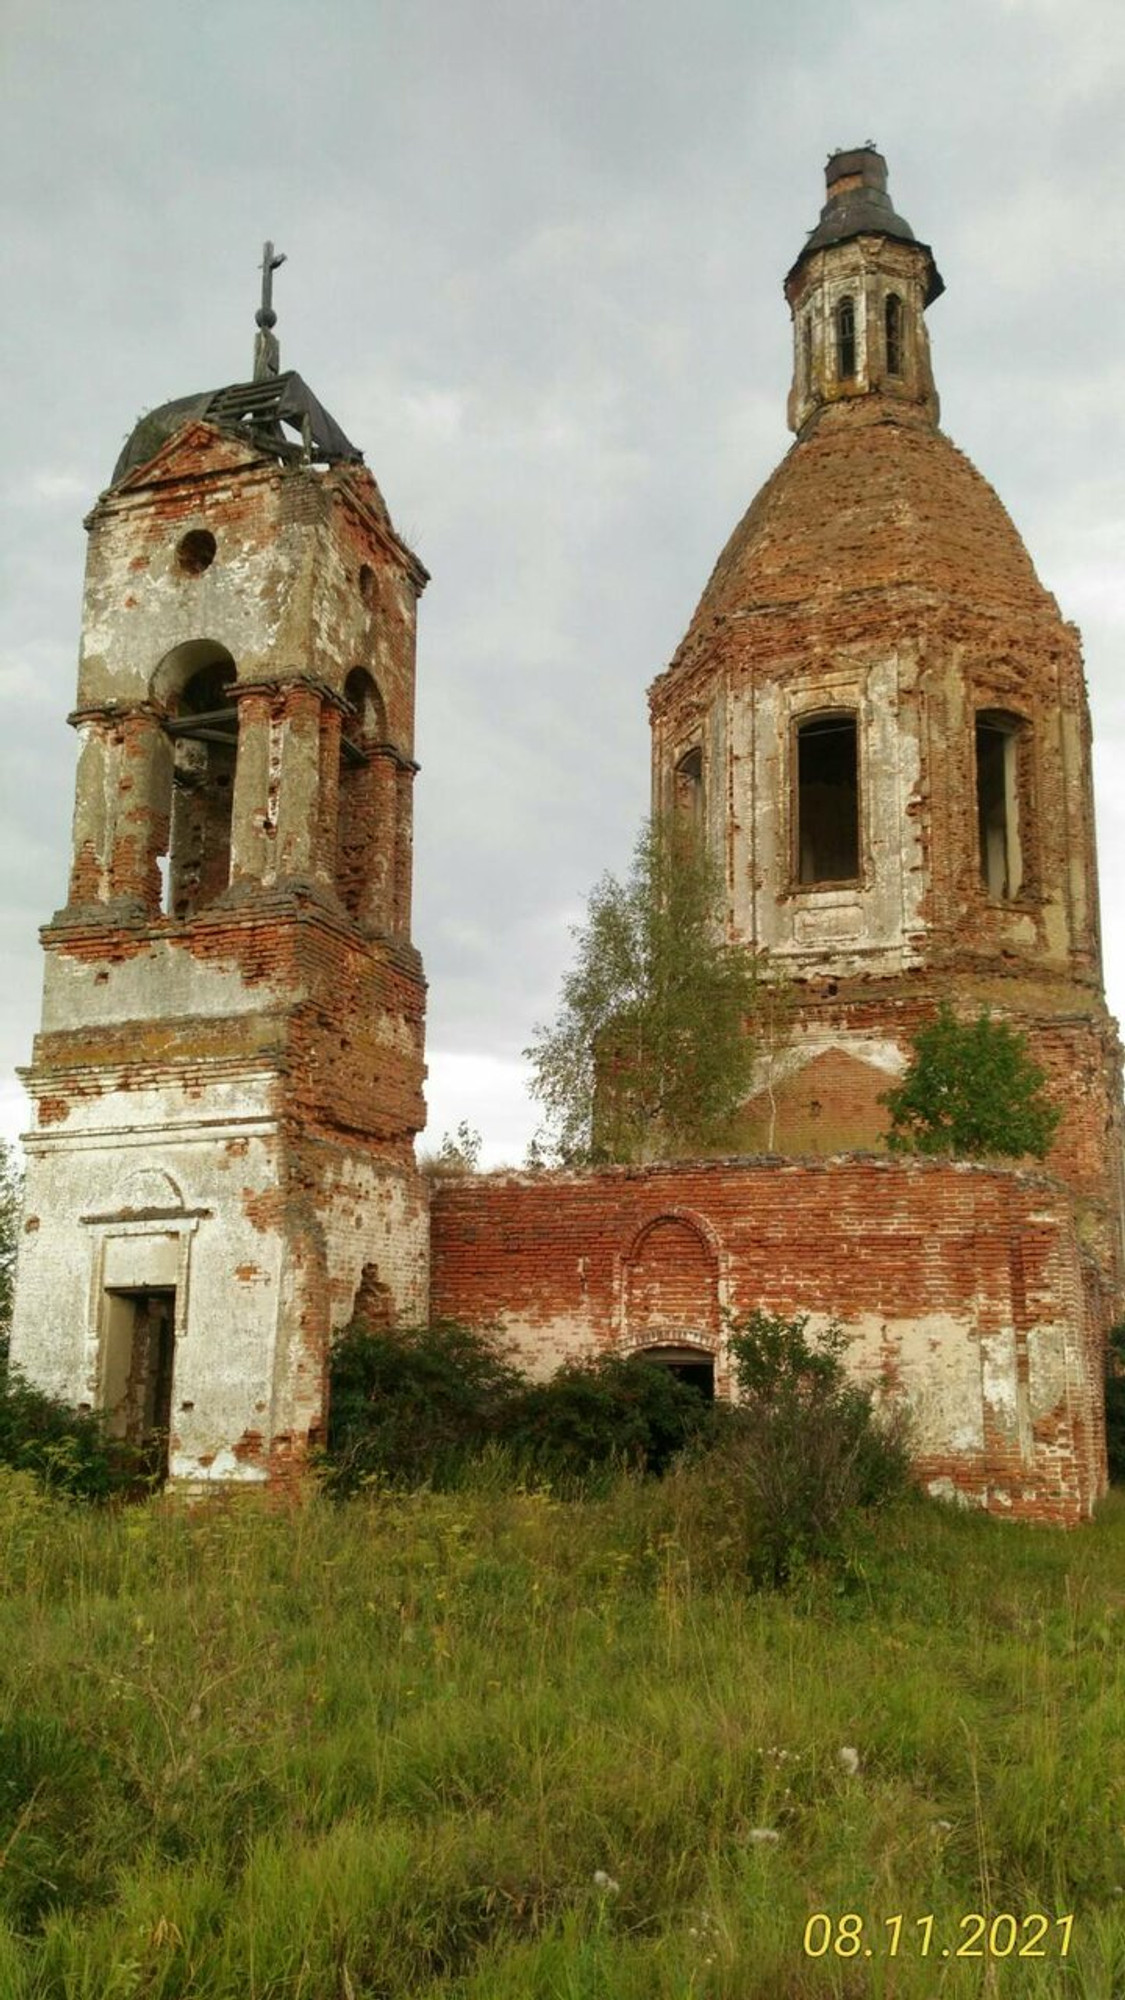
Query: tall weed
(490, 1742)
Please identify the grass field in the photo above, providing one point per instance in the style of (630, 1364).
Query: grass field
(501, 1746)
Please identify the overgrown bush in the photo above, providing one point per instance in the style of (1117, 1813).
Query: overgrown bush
(616, 1409)
(412, 1406)
(807, 1452)
(972, 1091)
(66, 1449)
(1115, 1402)
(417, 1406)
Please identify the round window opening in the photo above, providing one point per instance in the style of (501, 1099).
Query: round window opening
(196, 552)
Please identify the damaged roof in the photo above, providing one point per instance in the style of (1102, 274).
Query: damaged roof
(254, 411)
(858, 205)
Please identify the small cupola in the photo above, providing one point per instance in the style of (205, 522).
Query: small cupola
(857, 293)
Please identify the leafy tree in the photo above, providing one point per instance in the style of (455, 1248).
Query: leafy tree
(414, 1406)
(972, 1089)
(612, 1409)
(459, 1153)
(67, 1449)
(652, 1052)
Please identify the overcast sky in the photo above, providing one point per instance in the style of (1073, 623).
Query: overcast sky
(535, 252)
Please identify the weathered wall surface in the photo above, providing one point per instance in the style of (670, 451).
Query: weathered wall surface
(278, 1093)
(878, 575)
(963, 1286)
(226, 1088)
(307, 583)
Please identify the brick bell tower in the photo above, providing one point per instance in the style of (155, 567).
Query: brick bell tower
(879, 716)
(228, 1077)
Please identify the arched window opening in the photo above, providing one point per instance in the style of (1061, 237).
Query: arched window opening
(687, 792)
(363, 841)
(827, 799)
(203, 725)
(892, 313)
(1003, 779)
(806, 354)
(845, 340)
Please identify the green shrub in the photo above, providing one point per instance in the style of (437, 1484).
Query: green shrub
(417, 1406)
(972, 1090)
(66, 1449)
(1115, 1402)
(412, 1406)
(616, 1409)
(808, 1451)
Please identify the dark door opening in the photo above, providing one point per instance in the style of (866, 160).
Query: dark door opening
(687, 1365)
(138, 1372)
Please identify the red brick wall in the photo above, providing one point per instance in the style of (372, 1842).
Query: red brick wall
(964, 1287)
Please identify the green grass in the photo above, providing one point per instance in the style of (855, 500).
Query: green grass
(381, 1751)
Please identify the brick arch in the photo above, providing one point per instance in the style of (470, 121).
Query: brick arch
(671, 1284)
(193, 684)
(175, 669)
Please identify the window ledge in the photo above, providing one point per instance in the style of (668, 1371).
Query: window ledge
(827, 895)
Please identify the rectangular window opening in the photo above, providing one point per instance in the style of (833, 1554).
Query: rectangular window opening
(687, 790)
(828, 799)
(998, 746)
(893, 323)
(845, 340)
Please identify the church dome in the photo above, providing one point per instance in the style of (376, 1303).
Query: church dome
(873, 514)
(872, 498)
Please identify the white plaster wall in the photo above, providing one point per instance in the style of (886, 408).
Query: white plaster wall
(227, 1271)
(845, 928)
(154, 1106)
(537, 1347)
(160, 980)
(365, 1212)
(132, 618)
(960, 1385)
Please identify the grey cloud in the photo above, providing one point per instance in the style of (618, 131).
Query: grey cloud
(535, 269)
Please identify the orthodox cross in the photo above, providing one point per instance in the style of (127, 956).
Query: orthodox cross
(267, 352)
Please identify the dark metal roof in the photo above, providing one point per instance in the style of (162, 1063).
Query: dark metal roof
(254, 411)
(861, 206)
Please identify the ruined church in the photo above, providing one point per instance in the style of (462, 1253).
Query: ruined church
(878, 721)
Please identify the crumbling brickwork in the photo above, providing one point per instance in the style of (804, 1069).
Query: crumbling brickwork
(228, 1079)
(878, 721)
(964, 1287)
(889, 718)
